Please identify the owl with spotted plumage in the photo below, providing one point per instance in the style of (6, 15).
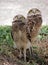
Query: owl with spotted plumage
(34, 22)
(19, 34)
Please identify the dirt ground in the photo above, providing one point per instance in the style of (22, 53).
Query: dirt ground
(4, 60)
(12, 60)
(41, 58)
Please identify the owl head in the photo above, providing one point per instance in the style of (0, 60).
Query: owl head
(19, 17)
(34, 16)
(34, 12)
(18, 22)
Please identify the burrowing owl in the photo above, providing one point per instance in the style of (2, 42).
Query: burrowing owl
(34, 22)
(19, 34)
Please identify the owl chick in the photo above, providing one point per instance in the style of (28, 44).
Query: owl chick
(34, 21)
(19, 34)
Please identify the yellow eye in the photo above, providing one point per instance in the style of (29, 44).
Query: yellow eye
(30, 11)
(37, 11)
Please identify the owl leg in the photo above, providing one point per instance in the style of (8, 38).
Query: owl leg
(25, 55)
(20, 55)
(30, 53)
(30, 50)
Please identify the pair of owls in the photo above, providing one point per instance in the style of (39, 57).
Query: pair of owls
(24, 30)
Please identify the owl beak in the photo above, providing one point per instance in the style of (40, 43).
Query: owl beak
(34, 15)
(34, 10)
